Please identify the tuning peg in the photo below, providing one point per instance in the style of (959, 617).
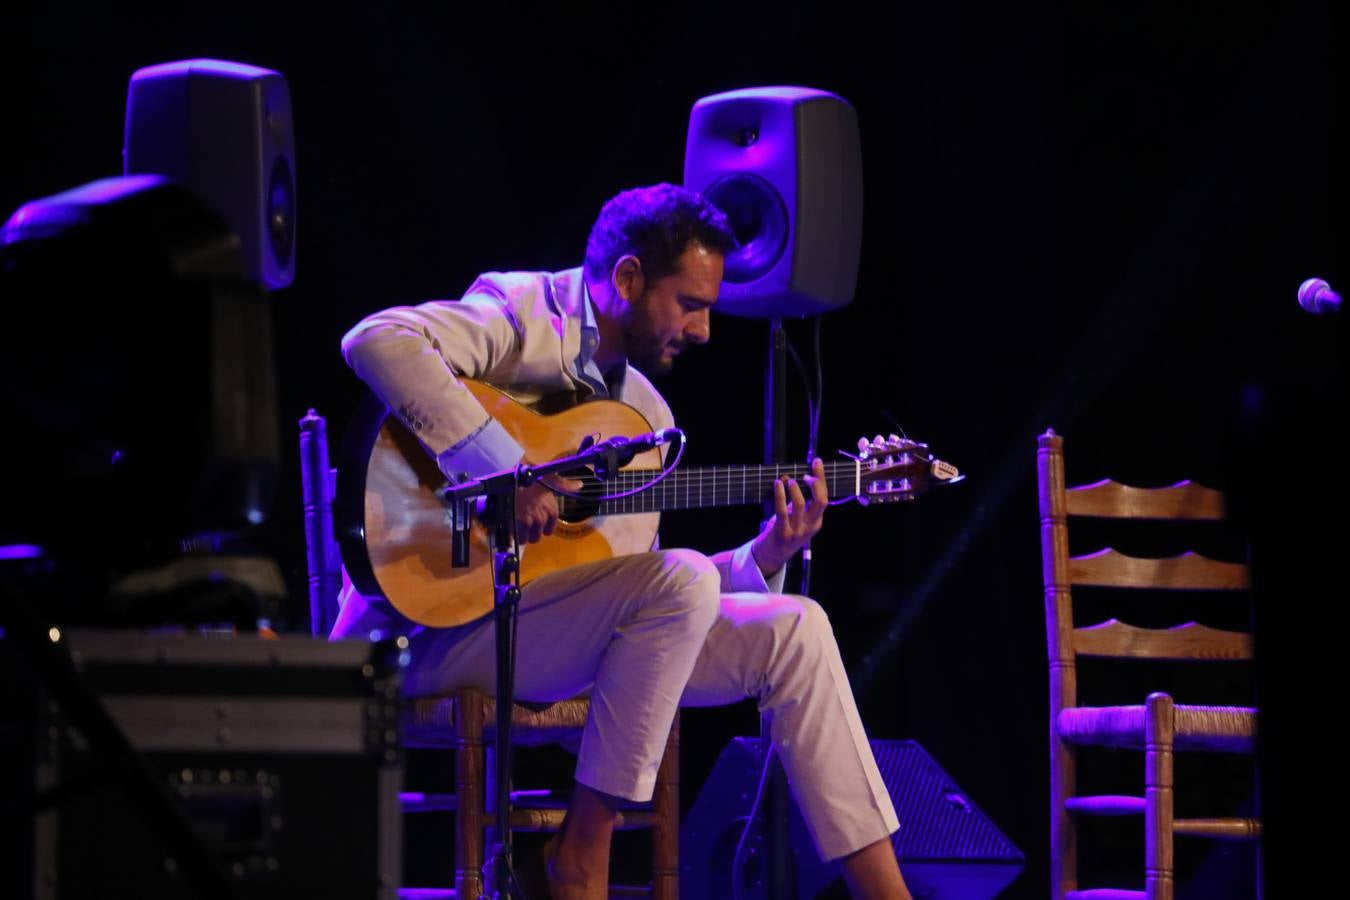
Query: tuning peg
(864, 448)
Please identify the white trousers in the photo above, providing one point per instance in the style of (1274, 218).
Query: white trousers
(651, 632)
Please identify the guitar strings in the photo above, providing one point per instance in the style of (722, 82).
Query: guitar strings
(749, 483)
(723, 477)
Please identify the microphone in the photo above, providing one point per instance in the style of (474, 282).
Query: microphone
(609, 455)
(643, 442)
(1317, 297)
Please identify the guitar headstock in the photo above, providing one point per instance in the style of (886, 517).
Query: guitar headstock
(897, 468)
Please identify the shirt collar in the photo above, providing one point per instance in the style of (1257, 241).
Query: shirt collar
(590, 342)
(590, 331)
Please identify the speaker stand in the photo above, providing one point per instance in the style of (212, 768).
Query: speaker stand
(779, 883)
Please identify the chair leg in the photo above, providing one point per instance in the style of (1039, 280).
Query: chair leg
(1159, 725)
(1063, 829)
(666, 828)
(1260, 842)
(469, 789)
(1063, 763)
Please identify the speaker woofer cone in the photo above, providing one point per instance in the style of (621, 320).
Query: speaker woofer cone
(759, 219)
(281, 211)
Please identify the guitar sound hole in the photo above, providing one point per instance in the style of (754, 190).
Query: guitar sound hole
(574, 512)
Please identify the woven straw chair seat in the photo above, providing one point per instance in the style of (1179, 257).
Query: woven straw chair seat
(1225, 729)
(431, 721)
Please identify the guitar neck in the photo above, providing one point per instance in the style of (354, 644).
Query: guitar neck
(706, 487)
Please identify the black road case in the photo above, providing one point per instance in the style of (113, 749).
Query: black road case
(281, 757)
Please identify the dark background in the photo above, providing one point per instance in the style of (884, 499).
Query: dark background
(1092, 217)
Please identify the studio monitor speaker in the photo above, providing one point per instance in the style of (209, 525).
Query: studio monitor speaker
(222, 130)
(785, 165)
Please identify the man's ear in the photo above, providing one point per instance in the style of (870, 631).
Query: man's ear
(629, 281)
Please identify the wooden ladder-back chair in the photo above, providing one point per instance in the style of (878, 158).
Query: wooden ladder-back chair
(1159, 726)
(465, 722)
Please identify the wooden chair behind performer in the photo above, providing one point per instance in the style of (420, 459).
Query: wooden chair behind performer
(1158, 726)
(465, 722)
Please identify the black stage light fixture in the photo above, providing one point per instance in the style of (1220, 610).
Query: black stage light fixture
(141, 386)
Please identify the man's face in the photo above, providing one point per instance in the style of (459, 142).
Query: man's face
(673, 312)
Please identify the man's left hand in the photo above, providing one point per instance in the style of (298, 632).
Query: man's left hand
(795, 520)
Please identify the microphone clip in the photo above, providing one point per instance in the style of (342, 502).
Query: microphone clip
(607, 457)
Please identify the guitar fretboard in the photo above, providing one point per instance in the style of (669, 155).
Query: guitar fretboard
(704, 487)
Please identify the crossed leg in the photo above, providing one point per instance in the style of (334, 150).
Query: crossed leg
(647, 633)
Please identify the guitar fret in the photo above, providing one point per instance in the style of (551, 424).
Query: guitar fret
(716, 486)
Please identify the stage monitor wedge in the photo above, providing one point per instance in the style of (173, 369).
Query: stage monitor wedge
(948, 849)
(224, 131)
(785, 165)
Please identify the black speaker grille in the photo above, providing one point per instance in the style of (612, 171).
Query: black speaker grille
(937, 819)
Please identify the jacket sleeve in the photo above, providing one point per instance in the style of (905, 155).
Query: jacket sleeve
(740, 572)
(412, 357)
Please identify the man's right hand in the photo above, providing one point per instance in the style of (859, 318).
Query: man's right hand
(537, 507)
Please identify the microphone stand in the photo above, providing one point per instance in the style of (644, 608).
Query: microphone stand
(499, 515)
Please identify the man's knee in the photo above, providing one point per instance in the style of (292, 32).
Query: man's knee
(692, 582)
(811, 623)
(799, 628)
(784, 637)
(817, 619)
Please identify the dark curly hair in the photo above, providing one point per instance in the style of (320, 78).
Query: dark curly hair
(656, 224)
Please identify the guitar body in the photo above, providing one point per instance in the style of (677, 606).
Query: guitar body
(396, 532)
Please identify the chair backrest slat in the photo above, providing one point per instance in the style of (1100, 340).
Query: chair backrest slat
(1188, 572)
(1110, 499)
(1191, 641)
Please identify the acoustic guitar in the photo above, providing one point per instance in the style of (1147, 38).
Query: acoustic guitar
(395, 529)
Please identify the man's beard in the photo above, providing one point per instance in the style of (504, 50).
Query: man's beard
(649, 359)
(652, 362)
(645, 349)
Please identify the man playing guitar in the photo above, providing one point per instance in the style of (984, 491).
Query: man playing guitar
(644, 630)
